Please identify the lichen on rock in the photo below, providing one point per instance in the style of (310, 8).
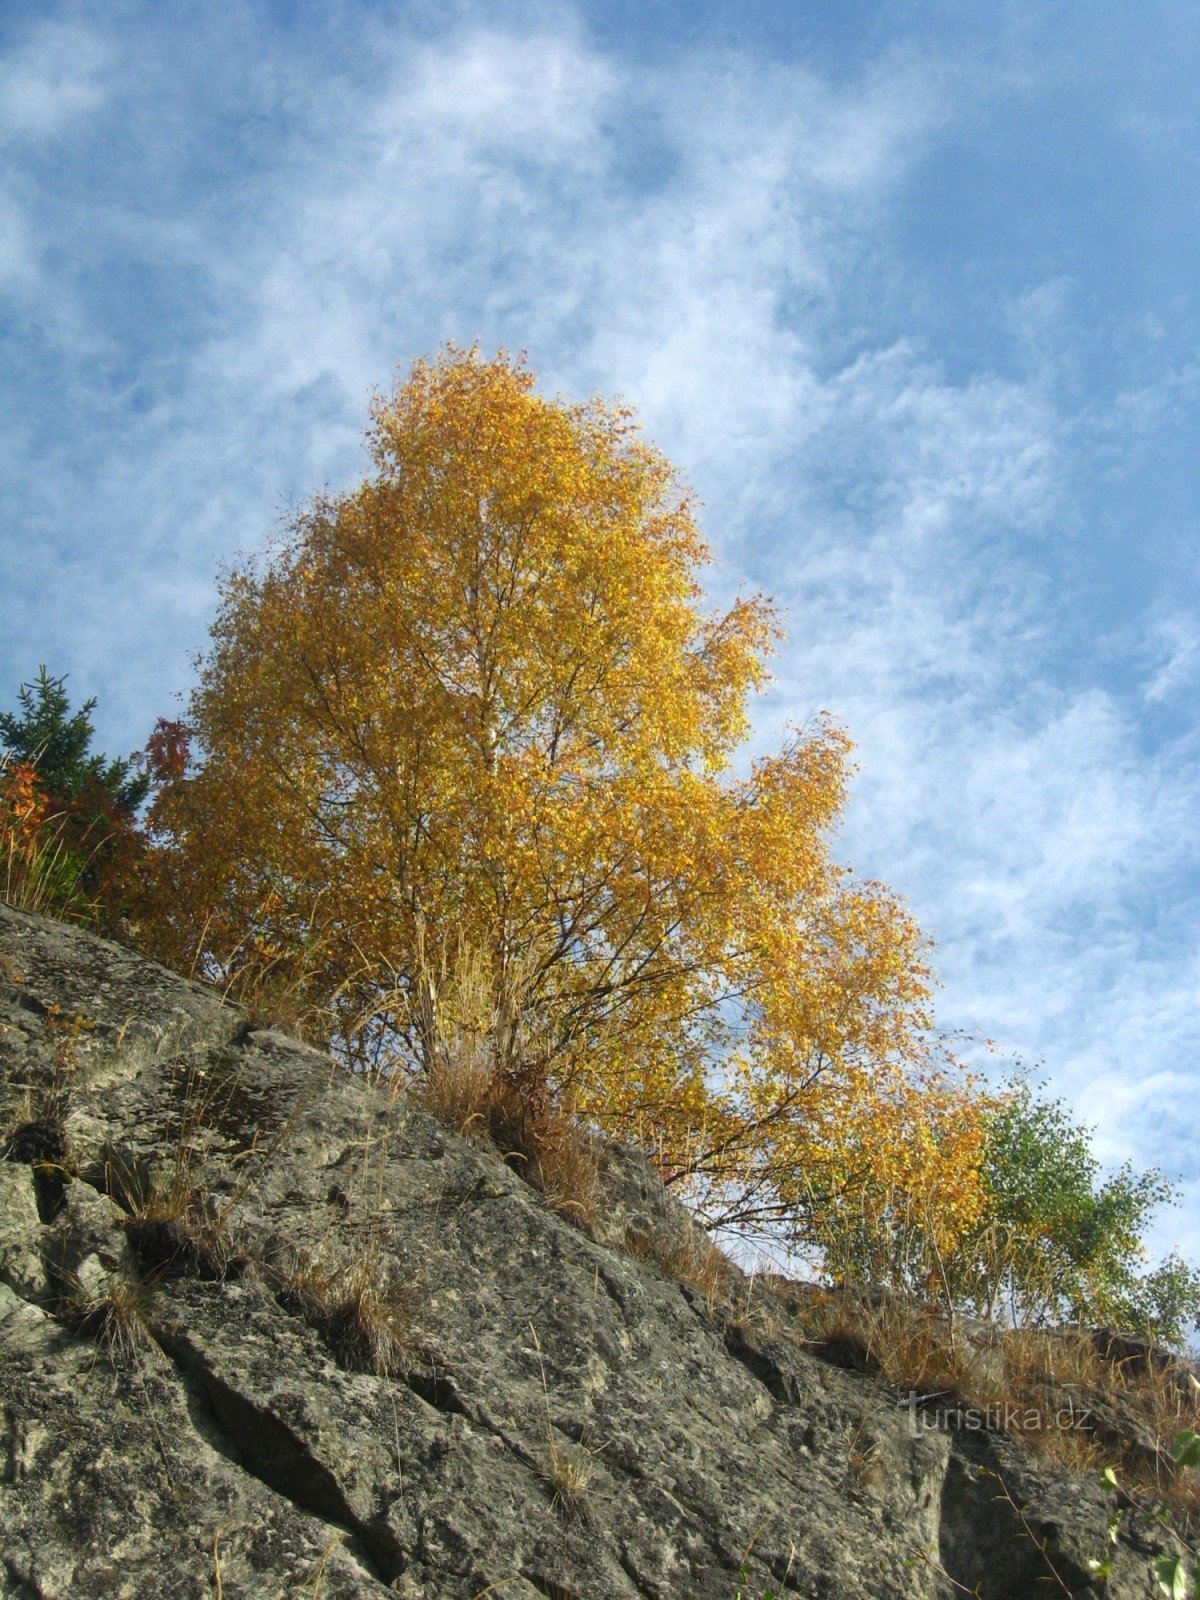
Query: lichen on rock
(241, 1448)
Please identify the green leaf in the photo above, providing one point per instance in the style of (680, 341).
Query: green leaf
(1171, 1578)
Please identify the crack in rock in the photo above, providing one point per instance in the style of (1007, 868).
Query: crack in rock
(437, 1391)
(268, 1450)
(547, 1586)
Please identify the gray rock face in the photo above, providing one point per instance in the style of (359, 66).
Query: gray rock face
(187, 1407)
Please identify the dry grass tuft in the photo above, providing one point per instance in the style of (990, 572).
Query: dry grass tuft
(896, 1339)
(685, 1252)
(552, 1150)
(1182, 1496)
(183, 1246)
(370, 1324)
(1075, 1406)
(173, 1230)
(570, 1162)
(837, 1330)
(39, 1136)
(568, 1470)
(176, 1225)
(276, 967)
(1053, 1388)
(362, 1313)
(915, 1347)
(459, 1090)
(467, 1087)
(117, 1316)
(281, 999)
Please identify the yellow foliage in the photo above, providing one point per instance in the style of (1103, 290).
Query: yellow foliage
(476, 703)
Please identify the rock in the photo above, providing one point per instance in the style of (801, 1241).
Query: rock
(21, 1265)
(556, 1417)
(85, 1243)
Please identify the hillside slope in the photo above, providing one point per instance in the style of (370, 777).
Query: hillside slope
(559, 1419)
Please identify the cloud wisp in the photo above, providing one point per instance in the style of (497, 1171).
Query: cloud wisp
(214, 254)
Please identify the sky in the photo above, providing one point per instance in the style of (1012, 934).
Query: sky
(907, 292)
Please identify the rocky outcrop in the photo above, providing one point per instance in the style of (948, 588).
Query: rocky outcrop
(266, 1330)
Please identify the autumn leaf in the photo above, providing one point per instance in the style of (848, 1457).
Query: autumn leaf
(477, 704)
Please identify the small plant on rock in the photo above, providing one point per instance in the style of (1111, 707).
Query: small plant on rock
(568, 1470)
(570, 1163)
(39, 1138)
(370, 1324)
(684, 1251)
(174, 1232)
(116, 1315)
(359, 1309)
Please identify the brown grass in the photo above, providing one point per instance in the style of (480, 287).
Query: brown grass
(277, 998)
(274, 978)
(1048, 1378)
(363, 1314)
(570, 1161)
(1182, 1496)
(684, 1251)
(460, 1091)
(175, 1224)
(466, 1094)
(1080, 1409)
(183, 1245)
(38, 1136)
(891, 1337)
(37, 1140)
(916, 1349)
(554, 1151)
(568, 1470)
(1052, 1388)
(467, 1089)
(172, 1228)
(117, 1316)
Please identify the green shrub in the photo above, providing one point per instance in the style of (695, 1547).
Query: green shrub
(1066, 1242)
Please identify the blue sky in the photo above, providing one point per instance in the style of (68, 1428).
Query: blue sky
(908, 292)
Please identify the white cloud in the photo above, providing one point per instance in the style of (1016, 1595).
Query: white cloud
(18, 255)
(689, 239)
(50, 83)
(1174, 640)
(52, 80)
(493, 93)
